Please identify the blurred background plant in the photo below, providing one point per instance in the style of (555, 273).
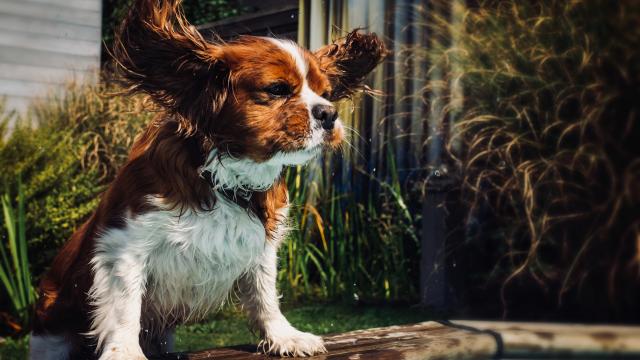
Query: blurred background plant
(543, 139)
(66, 150)
(197, 11)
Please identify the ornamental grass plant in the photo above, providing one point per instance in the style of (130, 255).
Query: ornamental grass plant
(544, 137)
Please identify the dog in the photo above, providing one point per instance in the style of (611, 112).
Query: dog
(199, 209)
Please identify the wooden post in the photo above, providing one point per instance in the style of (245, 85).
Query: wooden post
(433, 277)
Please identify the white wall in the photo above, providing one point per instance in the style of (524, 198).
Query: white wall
(44, 43)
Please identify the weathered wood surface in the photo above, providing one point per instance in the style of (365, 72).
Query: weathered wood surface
(429, 340)
(563, 340)
(463, 340)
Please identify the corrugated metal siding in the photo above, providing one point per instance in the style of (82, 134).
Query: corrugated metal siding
(45, 43)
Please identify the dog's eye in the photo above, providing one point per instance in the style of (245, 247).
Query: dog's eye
(278, 89)
(326, 95)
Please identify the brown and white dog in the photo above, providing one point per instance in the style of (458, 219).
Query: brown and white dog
(200, 207)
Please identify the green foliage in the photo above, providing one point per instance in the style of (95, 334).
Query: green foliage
(205, 11)
(342, 248)
(15, 274)
(198, 12)
(14, 349)
(66, 151)
(545, 146)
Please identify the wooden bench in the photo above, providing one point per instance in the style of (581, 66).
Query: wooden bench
(464, 340)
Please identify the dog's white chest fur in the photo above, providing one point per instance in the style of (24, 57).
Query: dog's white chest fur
(190, 261)
(199, 257)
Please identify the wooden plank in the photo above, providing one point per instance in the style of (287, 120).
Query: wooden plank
(251, 16)
(31, 25)
(27, 88)
(428, 340)
(16, 55)
(51, 12)
(42, 74)
(282, 22)
(549, 340)
(463, 340)
(91, 5)
(49, 43)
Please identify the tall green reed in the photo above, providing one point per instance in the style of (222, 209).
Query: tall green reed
(542, 139)
(15, 274)
(344, 244)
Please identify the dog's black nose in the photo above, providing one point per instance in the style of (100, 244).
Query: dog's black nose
(326, 114)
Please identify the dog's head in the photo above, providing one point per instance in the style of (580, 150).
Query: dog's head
(254, 98)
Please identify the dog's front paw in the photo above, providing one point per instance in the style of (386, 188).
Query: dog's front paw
(119, 352)
(284, 340)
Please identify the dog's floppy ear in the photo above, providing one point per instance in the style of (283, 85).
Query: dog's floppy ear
(348, 60)
(159, 53)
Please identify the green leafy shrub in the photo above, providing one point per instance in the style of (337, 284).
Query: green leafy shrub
(14, 348)
(197, 12)
(543, 138)
(66, 150)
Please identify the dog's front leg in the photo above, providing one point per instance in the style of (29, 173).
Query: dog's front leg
(260, 297)
(116, 295)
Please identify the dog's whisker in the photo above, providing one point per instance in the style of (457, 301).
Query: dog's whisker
(354, 131)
